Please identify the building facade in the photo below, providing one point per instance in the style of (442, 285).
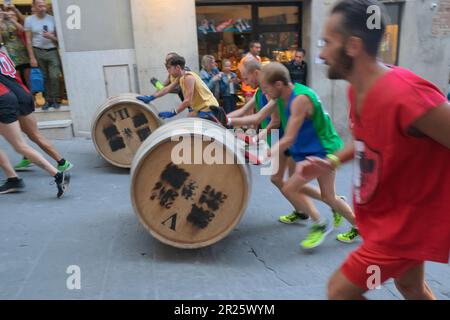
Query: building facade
(110, 47)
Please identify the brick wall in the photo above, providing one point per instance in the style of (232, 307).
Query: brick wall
(441, 22)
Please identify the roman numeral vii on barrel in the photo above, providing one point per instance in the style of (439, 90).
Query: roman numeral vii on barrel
(122, 113)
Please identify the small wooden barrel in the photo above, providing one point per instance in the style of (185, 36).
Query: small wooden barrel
(190, 205)
(120, 126)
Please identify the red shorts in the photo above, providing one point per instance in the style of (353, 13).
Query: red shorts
(365, 267)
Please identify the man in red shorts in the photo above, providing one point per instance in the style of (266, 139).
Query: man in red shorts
(401, 129)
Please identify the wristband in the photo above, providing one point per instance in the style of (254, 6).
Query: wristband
(229, 121)
(335, 160)
(175, 111)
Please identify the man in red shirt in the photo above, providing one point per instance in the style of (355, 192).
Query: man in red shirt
(401, 129)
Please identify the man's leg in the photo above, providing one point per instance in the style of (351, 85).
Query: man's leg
(288, 164)
(54, 72)
(277, 178)
(28, 125)
(328, 192)
(13, 135)
(340, 288)
(13, 182)
(292, 190)
(6, 165)
(412, 285)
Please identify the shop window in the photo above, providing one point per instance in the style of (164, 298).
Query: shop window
(278, 15)
(389, 48)
(226, 31)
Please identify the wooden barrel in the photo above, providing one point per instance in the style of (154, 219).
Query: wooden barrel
(120, 126)
(190, 205)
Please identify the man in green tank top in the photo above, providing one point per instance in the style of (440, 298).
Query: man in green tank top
(284, 159)
(308, 131)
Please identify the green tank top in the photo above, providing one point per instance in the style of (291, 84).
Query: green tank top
(260, 102)
(317, 134)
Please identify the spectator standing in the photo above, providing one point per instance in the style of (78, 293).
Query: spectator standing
(11, 35)
(255, 50)
(211, 75)
(228, 87)
(298, 69)
(43, 51)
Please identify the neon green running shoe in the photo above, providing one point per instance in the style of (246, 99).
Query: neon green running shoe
(65, 167)
(293, 217)
(316, 236)
(348, 237)
(23, 165)
(337, 217)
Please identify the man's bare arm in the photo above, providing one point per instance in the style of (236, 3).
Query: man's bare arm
(436, 124)
(165, 90)
(189, 83)
(255, 119)
(299, 111)
(244, 110)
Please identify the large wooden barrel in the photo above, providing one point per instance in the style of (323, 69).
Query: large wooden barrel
(190, 205)
(120, 126)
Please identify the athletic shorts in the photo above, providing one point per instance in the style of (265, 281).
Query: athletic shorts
(364, 266)
(299, 157)
(15, 100)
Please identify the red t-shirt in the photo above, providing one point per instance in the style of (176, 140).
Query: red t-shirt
(8, 69)
(401, 183)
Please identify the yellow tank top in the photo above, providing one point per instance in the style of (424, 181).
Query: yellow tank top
(203, 97)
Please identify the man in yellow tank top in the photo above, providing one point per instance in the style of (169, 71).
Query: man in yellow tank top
(196, 93)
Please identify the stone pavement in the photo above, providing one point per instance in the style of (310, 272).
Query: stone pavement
(94, 227)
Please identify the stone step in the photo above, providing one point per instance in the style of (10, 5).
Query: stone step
(53, 114)
(56, 129)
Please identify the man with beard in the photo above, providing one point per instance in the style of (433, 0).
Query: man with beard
(401, 128)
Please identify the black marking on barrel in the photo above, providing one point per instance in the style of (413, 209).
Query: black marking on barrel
(175, 176)
(144, 133)
(188, 190)
(200, 217)
(117, 144)
(128, 133)
(173, 223)
(122, 113)
(166, 197)
(212, 198)
(110, 132)
(139, 120)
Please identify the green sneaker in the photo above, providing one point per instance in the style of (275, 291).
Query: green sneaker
(317, 235)
(23, 165)
(337, 217)
(348, 237)
(293, 217)
(65, 167)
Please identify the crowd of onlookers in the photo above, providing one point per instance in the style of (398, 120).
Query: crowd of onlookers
(228, 86)
(31, 42)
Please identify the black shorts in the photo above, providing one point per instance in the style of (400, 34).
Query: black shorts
(15, 100)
